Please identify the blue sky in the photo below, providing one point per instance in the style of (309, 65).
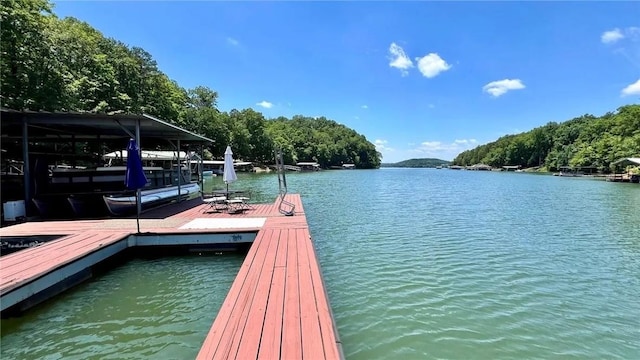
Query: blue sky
(418, 79)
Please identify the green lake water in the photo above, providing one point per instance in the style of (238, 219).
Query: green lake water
(418, 264)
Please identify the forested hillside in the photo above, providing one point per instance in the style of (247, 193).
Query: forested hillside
(418, 163)
(55, 64)
(583, 141)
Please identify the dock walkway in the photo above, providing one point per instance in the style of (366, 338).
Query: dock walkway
(277, 307)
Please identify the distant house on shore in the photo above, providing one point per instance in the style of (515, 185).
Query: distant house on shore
(308, 166)
(580, 170)
(482, 167)
(511, 167)
(625, 164)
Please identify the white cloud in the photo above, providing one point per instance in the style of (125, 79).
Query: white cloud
(442, 150)
(465, 141)
(399, 60)
(232, 41)
(633, 89)
(624, 42)
(427, 149)
(265, 104)
(432, 145)
(381, 145)
(633, 32)
(611, 36)
(364, 106)
(497, 88)
(431, 65)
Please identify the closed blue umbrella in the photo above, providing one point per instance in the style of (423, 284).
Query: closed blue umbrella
(135, 179)
(229, 174)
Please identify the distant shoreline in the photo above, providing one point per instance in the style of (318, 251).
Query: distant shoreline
(418, 163)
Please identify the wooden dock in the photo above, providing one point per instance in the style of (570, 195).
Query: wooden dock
(277, 307)
(630, 178)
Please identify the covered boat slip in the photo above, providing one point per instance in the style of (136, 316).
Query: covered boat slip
(277, 307)
(44, 141)
(622, 174)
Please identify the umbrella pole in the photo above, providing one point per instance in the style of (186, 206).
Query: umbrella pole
(138, 209)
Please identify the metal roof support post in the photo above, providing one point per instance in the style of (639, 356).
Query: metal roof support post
(138, 191)
(201, 168)
(177, 157)
(73, 148)
(179, 173)
(26, 171)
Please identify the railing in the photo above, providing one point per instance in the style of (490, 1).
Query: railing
(284, 207)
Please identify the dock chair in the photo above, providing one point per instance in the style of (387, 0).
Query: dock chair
(239, 204)
(217, 203)
(235, 206)
(244, 198)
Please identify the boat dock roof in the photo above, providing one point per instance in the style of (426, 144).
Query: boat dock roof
(627, 161)
(90, 126)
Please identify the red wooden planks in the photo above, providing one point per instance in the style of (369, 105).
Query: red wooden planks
(224, 321)
(272, 329)
(327, 326)
(311, 336)
(280, 310)
(31, 264)
(255, 325)
(291, 347)
(205, 211)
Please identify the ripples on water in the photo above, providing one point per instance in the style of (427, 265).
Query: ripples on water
(446, 264)
(418, 264)
(145, 309)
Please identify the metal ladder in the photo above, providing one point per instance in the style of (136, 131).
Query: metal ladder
(284, 207)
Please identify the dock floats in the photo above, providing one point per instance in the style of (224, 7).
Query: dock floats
(276, 308)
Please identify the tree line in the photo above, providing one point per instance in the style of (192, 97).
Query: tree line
(55, 64)
(585, 141)
(418, 163)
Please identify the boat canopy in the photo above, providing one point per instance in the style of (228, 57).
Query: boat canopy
(308, 164)
(628, 161)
